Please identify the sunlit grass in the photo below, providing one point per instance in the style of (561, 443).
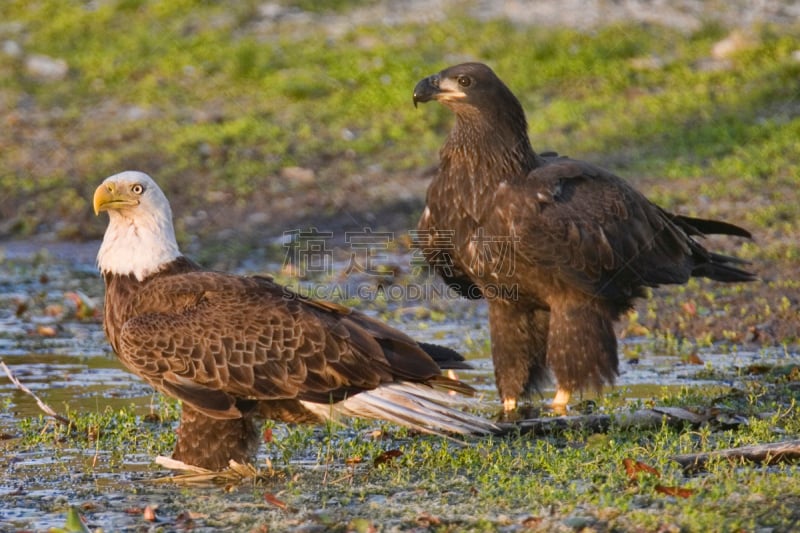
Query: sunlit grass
(333, 474)
(202, 96)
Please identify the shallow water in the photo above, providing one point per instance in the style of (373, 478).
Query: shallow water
(58, 350)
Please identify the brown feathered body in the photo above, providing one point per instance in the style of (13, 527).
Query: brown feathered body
(215, 340)
(559, 247)
(235, 349)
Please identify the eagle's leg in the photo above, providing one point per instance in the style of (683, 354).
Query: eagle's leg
(581, 348)
(561, 400)
(519, 341)
(211, 443)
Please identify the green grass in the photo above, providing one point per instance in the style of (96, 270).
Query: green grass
(329, 476)
(196, 94)
(118, 434)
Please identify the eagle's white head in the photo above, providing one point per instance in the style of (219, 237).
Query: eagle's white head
(140, 238)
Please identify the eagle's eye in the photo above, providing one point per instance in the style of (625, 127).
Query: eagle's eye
(137, 188)
(464, 81)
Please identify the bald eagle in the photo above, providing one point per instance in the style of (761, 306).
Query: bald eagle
(235, 349)
(560, 248)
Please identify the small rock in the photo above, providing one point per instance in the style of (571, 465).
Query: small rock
(46, 68)
(299, 175)
(135, 113)
(578, 522)
(730, 45)
(12, 48)
(377, 501)
(258, 218)
(215, 197)
(713, 65)
(271, 10)
(650, 62)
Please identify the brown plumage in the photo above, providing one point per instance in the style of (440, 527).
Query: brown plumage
(235, 349)
(571, 244)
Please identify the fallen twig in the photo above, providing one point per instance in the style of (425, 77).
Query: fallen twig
(43, 406)
(643, 418)
(761, 454)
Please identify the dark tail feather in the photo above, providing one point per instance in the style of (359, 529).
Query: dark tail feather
(702, 226)
(719, 268)
(446, 358)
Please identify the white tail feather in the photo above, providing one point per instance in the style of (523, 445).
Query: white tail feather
(409, 404)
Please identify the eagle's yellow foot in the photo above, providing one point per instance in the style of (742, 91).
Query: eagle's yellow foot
(509, 404)
(560, 402)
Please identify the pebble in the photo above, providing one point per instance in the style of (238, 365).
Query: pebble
(46, 68)
(298, 175)
(578, 522)
(12, 48)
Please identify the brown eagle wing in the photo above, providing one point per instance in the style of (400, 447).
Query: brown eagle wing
(593, 231)
(231, 338)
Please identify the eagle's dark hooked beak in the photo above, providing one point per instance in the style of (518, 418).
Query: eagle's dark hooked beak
(426, 90)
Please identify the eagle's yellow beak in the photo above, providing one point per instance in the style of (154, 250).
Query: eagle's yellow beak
(110, 196)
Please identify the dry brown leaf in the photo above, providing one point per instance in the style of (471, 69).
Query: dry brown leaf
(387, 457)
(427, 520)
(758, 369)
(633, 468)
(21, 308)
(532, 522)
(680, 492)
(273, 500)
(185, 520)
(55, 310)
(630, 468)
(267, 435)
(694, 359)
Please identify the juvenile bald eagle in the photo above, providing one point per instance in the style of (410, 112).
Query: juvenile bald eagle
(235, 349)
(560, 247)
